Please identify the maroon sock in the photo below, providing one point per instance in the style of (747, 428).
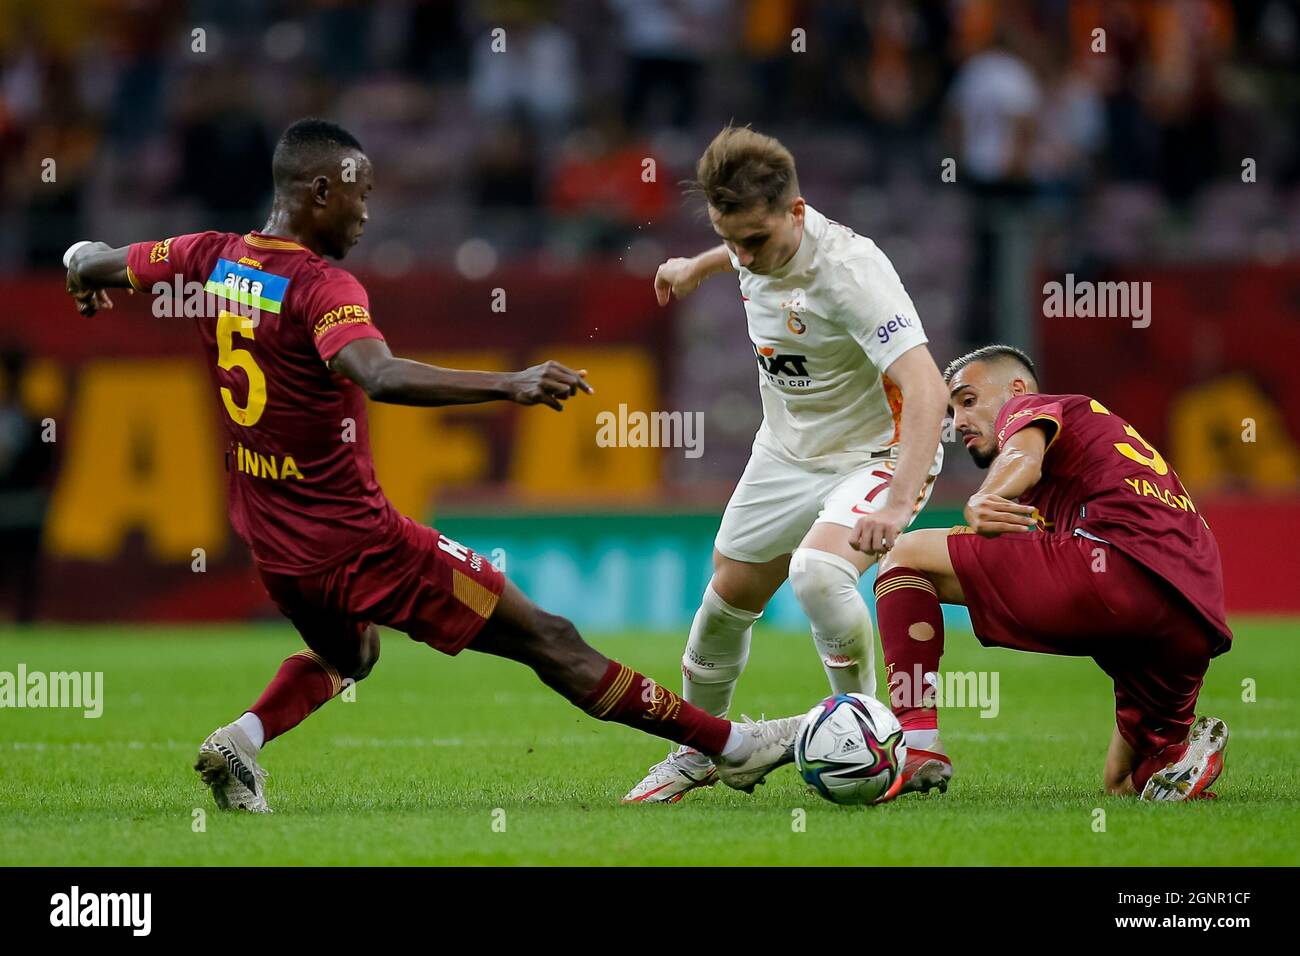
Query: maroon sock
(626, 697)
(911, 634)
(1149, 765)
(303, 682)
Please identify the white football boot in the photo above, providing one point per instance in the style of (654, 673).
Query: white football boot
(669, 780)
(1188, 777)
(227, 763)
(768, 744)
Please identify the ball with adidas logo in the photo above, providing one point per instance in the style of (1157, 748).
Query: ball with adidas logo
(850, 749)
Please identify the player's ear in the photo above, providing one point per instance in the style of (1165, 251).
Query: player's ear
(320, 190)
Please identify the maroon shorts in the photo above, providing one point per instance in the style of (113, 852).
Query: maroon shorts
(416, 580)
(1066, 594)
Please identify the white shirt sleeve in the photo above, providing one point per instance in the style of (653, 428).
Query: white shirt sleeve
(876, 310)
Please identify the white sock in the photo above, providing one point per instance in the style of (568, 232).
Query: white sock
(251, 725)
(827, 588)
(923, 740)
(733, 741)
(716, 652)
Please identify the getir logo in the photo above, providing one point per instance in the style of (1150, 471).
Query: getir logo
(780, 364)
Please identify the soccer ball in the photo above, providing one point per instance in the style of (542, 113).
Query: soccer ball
(850, 749)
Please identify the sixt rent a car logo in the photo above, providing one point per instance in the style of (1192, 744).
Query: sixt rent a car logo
(886, 329)
(773, 364)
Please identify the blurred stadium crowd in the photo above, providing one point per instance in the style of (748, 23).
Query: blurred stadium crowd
(984, 145)
(538, 151)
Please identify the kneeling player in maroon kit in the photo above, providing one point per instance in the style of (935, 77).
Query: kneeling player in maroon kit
(293, 355)
(1081, 541)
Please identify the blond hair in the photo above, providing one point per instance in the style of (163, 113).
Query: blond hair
(742, 169)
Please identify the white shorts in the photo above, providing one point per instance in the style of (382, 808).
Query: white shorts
(776, 502)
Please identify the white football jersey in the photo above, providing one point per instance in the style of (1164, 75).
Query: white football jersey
(825, 327)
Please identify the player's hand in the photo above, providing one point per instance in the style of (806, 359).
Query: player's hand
(676, 277)
(992, 515)
(548, 384)
(89, 301)
(877, 533)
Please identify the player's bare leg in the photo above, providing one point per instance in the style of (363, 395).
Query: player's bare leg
(1121, 761)
(716, 652)
(915, 576)
(227, 760)
(1184, 772)
(607, 690)
(824, 573)
(926, 550)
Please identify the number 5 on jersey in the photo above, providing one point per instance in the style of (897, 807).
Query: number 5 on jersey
(228, 357)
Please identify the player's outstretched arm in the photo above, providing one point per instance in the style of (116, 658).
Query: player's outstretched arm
(680, 277)
(1017, 468)
(924, 399)
(399, 381)
(92, 268)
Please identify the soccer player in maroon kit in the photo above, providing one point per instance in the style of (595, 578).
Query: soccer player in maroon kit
(294, 354)
(1081, 541)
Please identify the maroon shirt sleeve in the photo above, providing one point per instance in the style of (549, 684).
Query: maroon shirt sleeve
(1043, 411)
(148, 263)
(339, 314)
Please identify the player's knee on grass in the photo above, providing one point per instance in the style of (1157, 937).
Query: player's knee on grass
(1118, 780)
(367, 653)
(1120, 786)
(1121, 760)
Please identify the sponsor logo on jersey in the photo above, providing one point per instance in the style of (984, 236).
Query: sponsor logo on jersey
(780, 363)
(342, 315)
(249, 261)
(886, 330)
(1002, 433)
(160, 251)
(256, 288)
(798, 301)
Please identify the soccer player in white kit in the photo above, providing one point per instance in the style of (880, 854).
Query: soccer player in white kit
(853, 406)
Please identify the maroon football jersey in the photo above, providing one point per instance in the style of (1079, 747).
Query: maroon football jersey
(1102, 480)
(302, 483)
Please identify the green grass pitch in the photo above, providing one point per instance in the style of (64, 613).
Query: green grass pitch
(472, 761)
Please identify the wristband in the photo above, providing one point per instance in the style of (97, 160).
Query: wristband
(72, 251)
